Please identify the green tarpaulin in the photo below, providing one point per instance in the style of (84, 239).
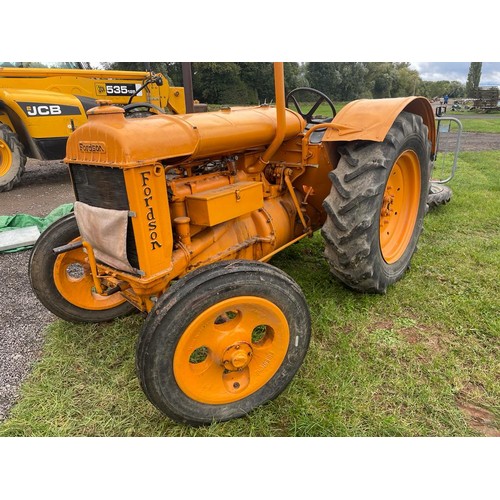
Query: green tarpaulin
(10, 222)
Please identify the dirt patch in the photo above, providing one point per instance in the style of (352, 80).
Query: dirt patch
(472, 141)
(411, 333)
(480, 419)
(43, 187)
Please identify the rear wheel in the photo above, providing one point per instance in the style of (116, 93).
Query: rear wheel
(223, 340)
(63, 283)
(376, 206)
(12, 159)
(438, 195)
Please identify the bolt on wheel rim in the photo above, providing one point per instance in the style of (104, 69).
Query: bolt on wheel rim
(400, 204)
(231, 350)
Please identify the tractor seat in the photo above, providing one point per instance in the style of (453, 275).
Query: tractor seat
(317, 136)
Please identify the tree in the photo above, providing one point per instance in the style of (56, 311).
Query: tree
(321, 76)
(259, 76)
(221, 83)
(473, 78)
(171, 71)
(407, 82)
(382, 79)
(342, 81)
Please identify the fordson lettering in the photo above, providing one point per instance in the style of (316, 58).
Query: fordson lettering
(150, 216)
(91, 147)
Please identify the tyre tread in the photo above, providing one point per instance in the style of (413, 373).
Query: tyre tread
(352, 207)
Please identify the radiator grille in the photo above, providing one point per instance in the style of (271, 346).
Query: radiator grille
(104, 187)
(101, 187)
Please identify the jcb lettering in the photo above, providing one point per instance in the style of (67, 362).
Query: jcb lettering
(44, 110)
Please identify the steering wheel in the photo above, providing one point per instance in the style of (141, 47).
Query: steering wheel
(141, 110)
(308, 115)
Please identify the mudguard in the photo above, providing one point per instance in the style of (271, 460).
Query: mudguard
(371, 119)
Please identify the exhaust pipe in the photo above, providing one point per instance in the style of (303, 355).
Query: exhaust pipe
(279, 91)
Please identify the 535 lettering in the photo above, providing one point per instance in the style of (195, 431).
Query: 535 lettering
(120, 89)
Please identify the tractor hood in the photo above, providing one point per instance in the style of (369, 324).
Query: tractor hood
(108, 138)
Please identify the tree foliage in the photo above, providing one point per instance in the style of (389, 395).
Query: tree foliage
(342, 81)
(252, 82)
(473, 78)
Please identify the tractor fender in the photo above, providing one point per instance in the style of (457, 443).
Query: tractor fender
(371, 119)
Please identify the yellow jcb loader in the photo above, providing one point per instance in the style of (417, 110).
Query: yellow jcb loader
(41, 104)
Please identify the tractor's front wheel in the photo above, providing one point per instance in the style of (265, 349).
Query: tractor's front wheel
(12, 159)
(223, 340)
(63, 283)
(376, 206)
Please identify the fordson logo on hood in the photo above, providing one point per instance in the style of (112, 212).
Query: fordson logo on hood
(91, 147)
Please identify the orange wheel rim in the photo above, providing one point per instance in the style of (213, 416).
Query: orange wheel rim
(5, 158)
(400, 205)
(231, 350)
(74, 282)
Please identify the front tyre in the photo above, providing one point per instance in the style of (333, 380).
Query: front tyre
(12, 159)
(376, 206)
(63, 283)
(223, 340)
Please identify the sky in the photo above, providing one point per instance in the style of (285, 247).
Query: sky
(433, 71)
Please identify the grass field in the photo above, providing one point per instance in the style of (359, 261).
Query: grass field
(481, 125)
(421, 360)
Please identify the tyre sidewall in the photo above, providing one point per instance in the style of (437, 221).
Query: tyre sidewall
(392, 271)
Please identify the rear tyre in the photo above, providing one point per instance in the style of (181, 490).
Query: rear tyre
(12, 159)
(438, 195)
(63, 283)
(376, 206)
(223, 340)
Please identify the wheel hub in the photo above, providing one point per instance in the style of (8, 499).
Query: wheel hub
(237, 357)
(231, 349)
(400, 205)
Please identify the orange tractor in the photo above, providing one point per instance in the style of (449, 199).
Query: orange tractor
(177, 216)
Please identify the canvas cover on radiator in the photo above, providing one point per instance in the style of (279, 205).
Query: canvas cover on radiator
(106, 231)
